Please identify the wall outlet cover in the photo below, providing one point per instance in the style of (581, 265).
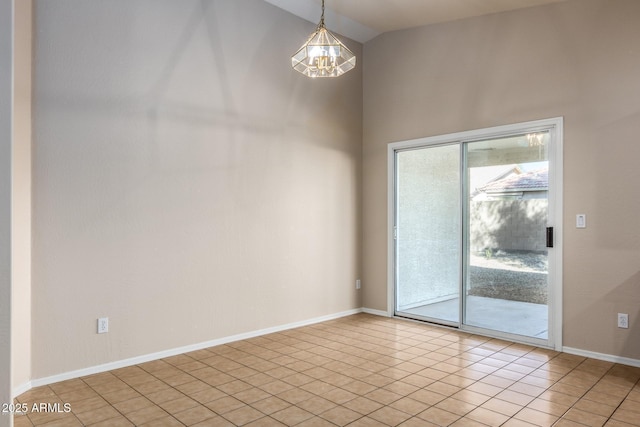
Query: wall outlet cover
(623, 320)
(103, 325)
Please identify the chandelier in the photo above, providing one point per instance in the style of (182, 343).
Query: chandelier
(323, 55)
(536, 139)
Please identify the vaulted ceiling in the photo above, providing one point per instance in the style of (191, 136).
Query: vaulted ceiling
(362, 20)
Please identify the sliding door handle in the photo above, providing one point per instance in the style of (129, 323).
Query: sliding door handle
(549, 237)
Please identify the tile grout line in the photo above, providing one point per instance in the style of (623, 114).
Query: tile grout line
(623, 400)
(359, 350)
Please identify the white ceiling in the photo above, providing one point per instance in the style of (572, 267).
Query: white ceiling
(362, 20)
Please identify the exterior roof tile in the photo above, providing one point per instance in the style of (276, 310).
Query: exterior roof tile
(528, 181)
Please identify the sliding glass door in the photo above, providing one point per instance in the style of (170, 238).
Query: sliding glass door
(506, 215)
(472, 218)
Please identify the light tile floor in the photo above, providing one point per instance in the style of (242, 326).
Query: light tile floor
(360, 370)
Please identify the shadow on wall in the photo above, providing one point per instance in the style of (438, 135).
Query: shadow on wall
(624, 298)
(508, 225)
(599, 318)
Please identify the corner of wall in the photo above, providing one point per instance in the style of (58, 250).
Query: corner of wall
(20, 199)
(6, 65)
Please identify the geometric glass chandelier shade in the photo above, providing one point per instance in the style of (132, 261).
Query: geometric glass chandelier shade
(323, 55)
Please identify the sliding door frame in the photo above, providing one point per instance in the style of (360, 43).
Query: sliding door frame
(555, 214)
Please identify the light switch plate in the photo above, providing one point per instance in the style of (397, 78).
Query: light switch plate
(581, 221)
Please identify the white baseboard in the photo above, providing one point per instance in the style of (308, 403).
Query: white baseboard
(17, 391)
(22, 388)
(175, 351)
(601, 356)
(375, 312)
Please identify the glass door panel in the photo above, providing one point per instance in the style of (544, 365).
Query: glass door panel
(506, 215)
(428, 230)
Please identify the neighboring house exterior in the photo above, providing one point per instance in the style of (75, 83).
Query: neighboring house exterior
(510, 213)
(525, 185)
(481, 176)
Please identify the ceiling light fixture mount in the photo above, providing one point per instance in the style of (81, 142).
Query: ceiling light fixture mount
(323, 55)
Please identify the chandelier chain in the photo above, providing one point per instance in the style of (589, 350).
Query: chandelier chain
(322, 16)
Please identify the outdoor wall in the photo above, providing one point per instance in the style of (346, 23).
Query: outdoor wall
(188, 184)
(512, 225)
(578, 59)
(428, 226)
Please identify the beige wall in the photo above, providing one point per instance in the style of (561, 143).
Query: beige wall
(578, 59)
(15, 196)
(6, 12)
(21, 197)
(187, 184)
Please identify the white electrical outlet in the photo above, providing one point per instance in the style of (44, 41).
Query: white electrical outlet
(358, 284)
(623, 320)
(103, 325)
